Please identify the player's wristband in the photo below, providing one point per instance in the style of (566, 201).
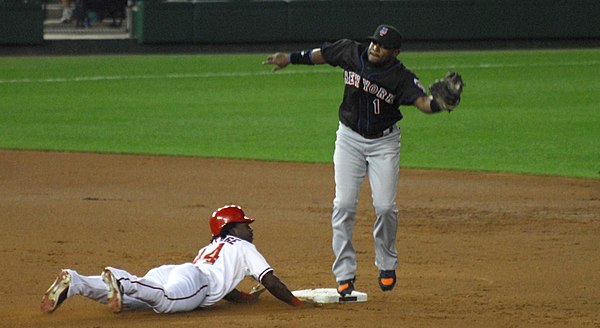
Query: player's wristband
(435, 107)
(301, 58)
(247, 297)
(296, 301)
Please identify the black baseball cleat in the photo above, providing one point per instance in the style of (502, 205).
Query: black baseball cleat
(57, 293)
(387, 280)
(345, 287)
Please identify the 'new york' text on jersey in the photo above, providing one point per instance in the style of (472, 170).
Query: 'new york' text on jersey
(353, 79)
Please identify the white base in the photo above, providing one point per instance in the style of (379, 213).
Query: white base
(329, 295)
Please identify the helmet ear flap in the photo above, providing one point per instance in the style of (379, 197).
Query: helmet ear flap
(227, 214)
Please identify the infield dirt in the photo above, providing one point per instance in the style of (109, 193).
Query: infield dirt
(476, 249)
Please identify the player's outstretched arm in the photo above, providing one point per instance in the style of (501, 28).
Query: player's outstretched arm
(279, 289)
(282, 60)
(279, 59)
(237, 296)
(424, 104)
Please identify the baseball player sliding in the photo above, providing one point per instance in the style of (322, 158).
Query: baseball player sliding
(213, 275)
(368, 139)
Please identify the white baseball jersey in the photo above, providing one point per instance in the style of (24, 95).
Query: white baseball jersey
(226, 262)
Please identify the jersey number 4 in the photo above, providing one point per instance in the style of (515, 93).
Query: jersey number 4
(210, 257)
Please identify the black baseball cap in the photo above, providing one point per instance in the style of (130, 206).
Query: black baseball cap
(387, 36)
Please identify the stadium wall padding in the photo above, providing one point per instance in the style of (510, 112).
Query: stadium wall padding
(21, 22)
(249, 21)
(246, 21)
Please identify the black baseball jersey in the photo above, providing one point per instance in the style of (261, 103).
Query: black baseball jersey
(373, 93)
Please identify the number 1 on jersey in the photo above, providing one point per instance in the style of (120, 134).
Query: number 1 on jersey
(376, 108)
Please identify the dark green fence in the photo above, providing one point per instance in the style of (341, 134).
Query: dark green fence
(248, 21)
(21, 22)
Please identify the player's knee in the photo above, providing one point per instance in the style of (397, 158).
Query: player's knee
(345, 205)
(344, 210)
(386, 211)
(341, 217)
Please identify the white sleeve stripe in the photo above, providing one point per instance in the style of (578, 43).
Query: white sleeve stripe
(262, 274)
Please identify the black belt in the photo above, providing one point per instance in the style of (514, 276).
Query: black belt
(378, 135)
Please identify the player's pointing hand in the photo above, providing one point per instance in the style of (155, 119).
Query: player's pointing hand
(279, 59)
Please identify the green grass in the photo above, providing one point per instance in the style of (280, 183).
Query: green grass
(531, 112)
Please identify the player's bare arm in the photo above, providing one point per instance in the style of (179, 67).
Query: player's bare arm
(282, 60)
(424, 104)
(279, 289)
(427, 105)
(236, 296)
(317, 57)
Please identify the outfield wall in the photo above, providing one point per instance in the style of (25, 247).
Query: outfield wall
(277, 21)
(245, 21)
(21, 22)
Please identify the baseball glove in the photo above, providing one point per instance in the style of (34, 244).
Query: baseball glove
(446, 92)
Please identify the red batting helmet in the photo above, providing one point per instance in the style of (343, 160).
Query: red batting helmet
(227, 214)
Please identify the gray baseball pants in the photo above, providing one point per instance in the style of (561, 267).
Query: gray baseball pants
(354, 158)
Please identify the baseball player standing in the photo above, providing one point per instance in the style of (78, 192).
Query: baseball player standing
(368, 139)
(213, 275)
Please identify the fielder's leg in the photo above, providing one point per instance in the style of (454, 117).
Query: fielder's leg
(383, 173)
(350, 170)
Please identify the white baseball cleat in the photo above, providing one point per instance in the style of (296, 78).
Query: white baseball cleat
(115, 296)
(57, 293)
